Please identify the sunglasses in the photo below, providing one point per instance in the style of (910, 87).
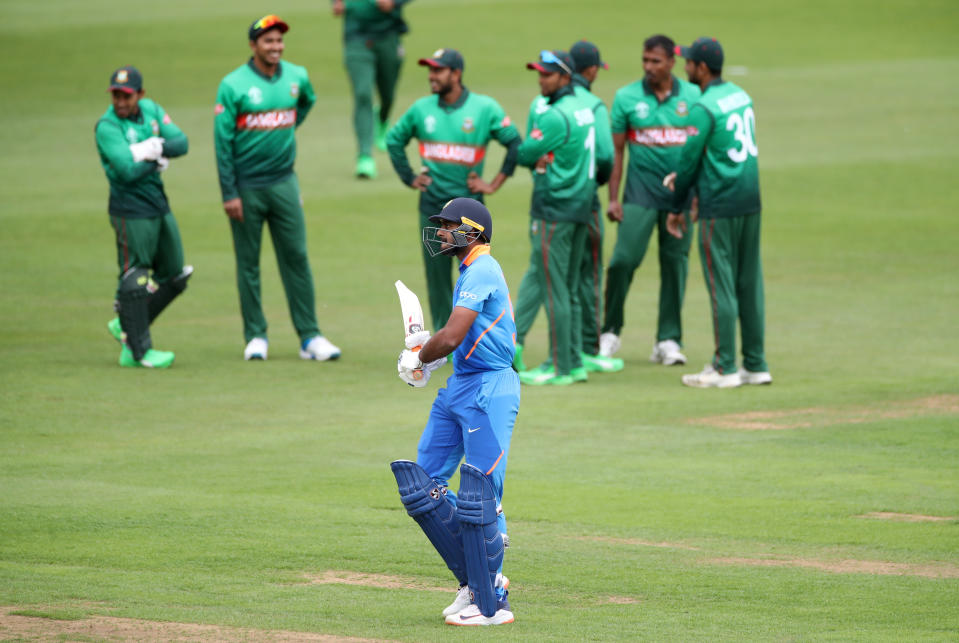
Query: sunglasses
(547, 56)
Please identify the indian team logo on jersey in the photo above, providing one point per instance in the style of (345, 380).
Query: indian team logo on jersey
(682, 109)
(132, 135)
(468, 125)
(429, 123)
(642, 109)
(256, 95)
(294, 89)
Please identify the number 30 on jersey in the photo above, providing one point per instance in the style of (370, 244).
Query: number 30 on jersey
(745, 128)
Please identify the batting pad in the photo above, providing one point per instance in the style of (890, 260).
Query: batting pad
(433, 512)
(482, 542)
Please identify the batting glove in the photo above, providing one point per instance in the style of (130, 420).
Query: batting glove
(410, 369)
(417, 340)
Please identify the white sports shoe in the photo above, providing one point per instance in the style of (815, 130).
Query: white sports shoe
(256, 349)
(320, 349)
(667, 353)
(755, 377)
(473, 616)
(609, 343)
(462, 600)
(710, 378)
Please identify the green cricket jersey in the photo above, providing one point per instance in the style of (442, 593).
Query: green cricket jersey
(720, 156)
(362, 19)
(604, 136)
(136, 190)
(655, 134)
(254, 123)
(566, 131)
(452, 143)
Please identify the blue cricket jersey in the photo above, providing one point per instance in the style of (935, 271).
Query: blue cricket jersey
(490, 343)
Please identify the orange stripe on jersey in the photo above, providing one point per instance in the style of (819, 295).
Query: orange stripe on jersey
(477, 251)
(488, 329)
(495, 463)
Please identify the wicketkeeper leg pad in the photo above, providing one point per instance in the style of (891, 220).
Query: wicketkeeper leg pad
(135, 289)
(428, 505)
(476, 508)
(167, 292)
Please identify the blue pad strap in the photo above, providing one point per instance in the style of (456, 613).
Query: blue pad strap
(427, 503)
(482, 541)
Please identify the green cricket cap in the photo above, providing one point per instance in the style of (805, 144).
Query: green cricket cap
(264, 24)
(127, 79)
(703, 50)
(444, 58)
(586, 54)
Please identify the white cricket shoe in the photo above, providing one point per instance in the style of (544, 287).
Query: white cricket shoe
(710, 378)
(667, 353)
(755, 377)
(463, 601)
(473, 616)
(256, 349)
(460, 603)
(609, 343)
(320, 349)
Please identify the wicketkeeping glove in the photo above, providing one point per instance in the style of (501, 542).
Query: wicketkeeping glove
(162, 163)
(148, 150)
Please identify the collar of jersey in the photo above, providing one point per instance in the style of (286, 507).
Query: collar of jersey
(580, 80)
(716, 82)
(477, 251)
(674, 92)
(566, 90)
(270, 79)
(459, 101)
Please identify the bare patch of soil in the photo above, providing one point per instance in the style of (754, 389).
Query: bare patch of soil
(882, 568)
(898, 517)
(818, 416)
(620, 600)
(110, 628)
(637, 542)
(339, 577)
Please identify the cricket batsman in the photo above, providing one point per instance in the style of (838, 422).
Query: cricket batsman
(259, 105)
(454, 127)
(721, 159)
(136, 138)
(472, 417)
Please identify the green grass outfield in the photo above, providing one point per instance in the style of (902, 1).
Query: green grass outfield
(220, 491)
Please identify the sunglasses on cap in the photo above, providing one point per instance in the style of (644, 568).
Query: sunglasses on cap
(266, 22)
(547, 56)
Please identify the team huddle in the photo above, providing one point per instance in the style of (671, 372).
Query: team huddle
(690, 155)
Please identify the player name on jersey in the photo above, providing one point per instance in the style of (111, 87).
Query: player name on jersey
(273, 119)
(661, 136)
(452, 152)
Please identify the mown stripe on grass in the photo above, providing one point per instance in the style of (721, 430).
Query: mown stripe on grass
(874, 567)
(365, 579)
(829, 416)
(901, 517)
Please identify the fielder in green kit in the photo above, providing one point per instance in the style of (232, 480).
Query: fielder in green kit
(373, 57)
(454, 127)
(650, 118)
(720, 158)
(136, 138)
(258, 107)
(562, 147)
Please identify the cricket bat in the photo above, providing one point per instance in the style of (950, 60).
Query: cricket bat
(412, 315)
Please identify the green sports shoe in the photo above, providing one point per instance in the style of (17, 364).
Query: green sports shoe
(116, 330)
(600, 364)
(518, 362)
(561, 380)
(365, 167)
(537, 376)
(152, 359)
(579, 374)
(382, 127)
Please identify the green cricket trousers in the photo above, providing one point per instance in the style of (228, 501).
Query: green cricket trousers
(553, 279)
(632, 239)
(372, 63)
(279, 207)
(729, 249)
